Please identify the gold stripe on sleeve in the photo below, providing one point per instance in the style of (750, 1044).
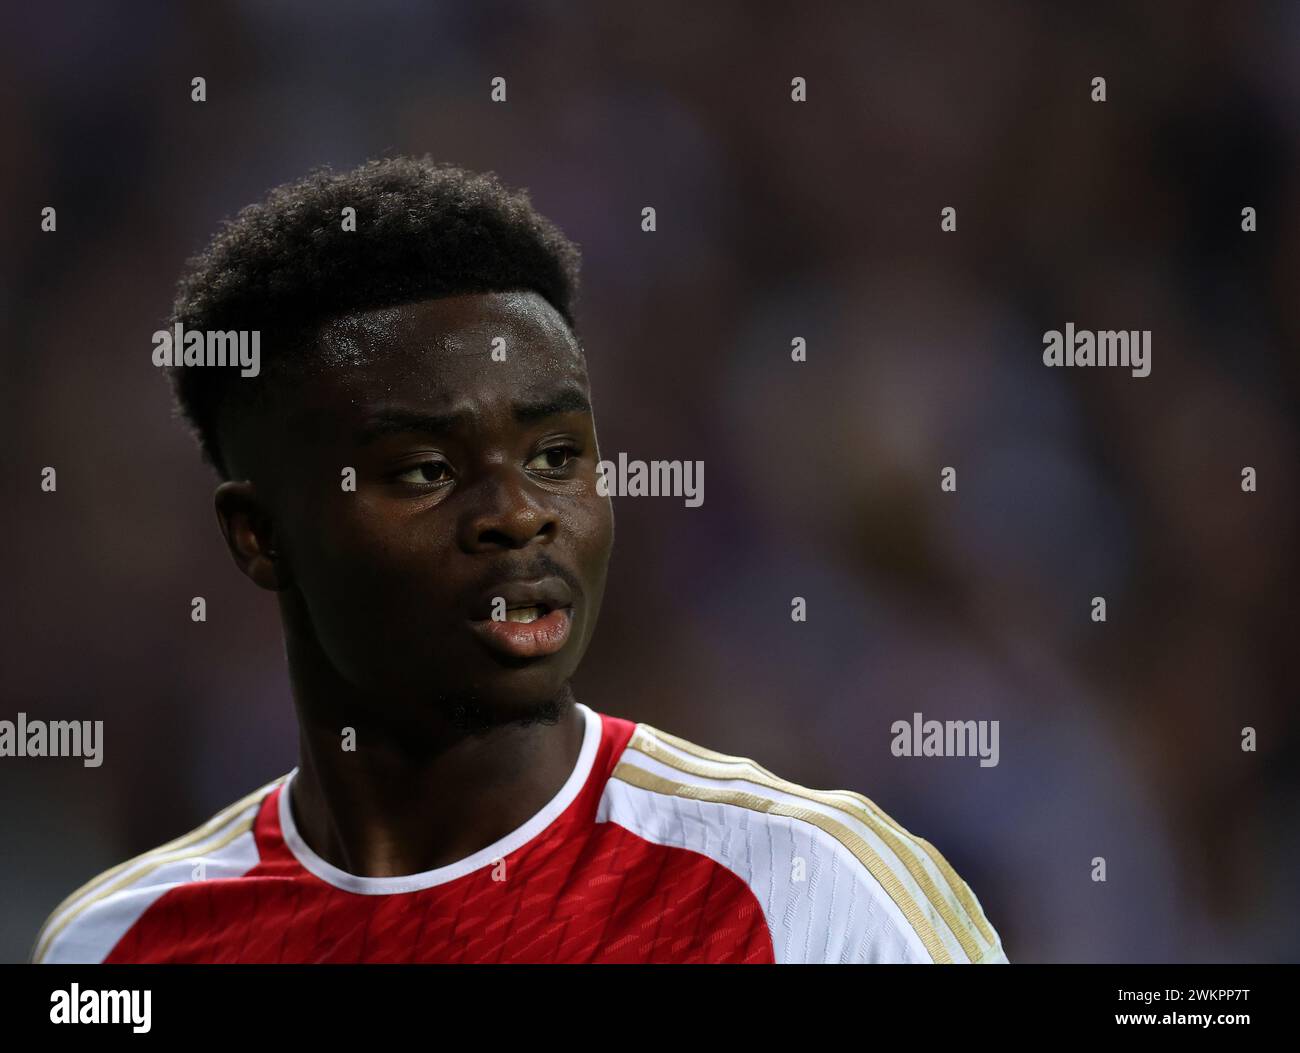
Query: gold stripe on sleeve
(631, 774)
(713, 765)
(214, 826)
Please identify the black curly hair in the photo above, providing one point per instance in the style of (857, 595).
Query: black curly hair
(285, 266)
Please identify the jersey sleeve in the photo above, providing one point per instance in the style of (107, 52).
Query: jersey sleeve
(873, 893)
(88, 924)
(838, 879)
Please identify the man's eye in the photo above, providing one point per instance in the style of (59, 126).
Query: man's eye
(550, 460)
(426, 472)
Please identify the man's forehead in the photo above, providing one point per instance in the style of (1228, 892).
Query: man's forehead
(438, 357)
(494, 326)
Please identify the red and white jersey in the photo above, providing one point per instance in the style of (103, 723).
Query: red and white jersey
(654, 850)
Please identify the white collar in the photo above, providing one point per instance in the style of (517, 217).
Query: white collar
(379, 886)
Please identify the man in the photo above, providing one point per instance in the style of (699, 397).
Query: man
(411, 470)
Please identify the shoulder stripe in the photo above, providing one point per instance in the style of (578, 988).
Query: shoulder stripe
(721, 766)
(724, 758)
(94, 890)
(954, 879)
(639, 777)
(155, 861)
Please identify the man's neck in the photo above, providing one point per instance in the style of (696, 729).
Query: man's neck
(385, 809)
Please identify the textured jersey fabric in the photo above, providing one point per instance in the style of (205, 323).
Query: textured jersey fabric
(654, 850)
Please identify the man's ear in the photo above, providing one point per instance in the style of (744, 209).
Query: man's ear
(249, 535)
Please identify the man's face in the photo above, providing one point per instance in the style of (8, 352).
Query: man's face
(475, 480)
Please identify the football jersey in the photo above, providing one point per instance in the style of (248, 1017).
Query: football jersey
(654, 850)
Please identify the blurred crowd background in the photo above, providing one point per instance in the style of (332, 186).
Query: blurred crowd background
(1120, 740)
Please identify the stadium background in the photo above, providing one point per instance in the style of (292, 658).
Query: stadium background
(821, 480)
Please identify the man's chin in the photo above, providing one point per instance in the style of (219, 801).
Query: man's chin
(475, 715)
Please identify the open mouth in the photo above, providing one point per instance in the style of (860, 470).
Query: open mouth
(527, 632)
(538, 617)
(525, 615)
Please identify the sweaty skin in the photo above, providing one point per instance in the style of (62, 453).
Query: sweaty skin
(474, 478)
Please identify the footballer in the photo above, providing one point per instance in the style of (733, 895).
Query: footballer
(411, 472)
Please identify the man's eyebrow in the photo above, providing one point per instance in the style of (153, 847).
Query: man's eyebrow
(395, 421)
(566, 400)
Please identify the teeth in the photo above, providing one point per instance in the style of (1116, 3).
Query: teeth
(523, 614)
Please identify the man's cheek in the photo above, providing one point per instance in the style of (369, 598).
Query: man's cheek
(353, 544)
(596, 537)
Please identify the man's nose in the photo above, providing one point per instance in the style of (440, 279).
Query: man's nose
(506, 511)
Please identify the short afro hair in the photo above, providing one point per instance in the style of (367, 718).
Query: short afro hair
(285, 266)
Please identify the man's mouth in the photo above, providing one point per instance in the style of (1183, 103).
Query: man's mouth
(537, 622)
(525, 614)
(527, 632)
